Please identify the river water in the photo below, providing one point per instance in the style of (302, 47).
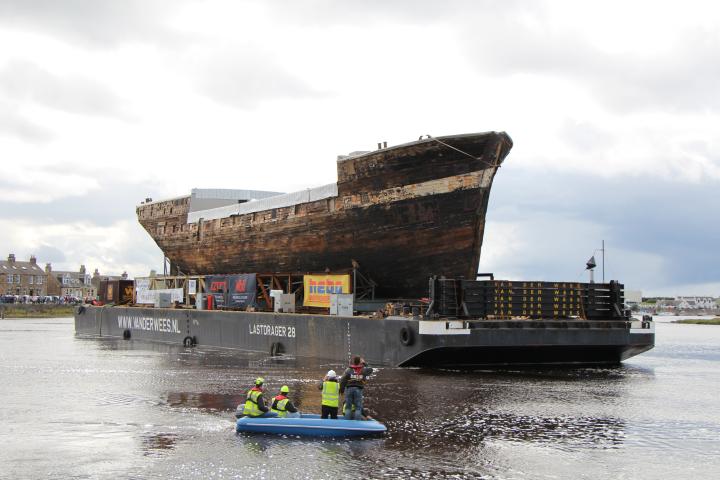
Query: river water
(86, 408)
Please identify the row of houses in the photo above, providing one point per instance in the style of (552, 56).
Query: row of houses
(674, 304)
(696, 303)
(29, 278)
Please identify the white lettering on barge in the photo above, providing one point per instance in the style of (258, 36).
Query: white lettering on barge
(272, 330)
(151, 324)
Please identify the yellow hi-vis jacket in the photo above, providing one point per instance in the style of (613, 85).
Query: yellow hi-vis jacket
(251, 404)
(330, 394)
(278, 405)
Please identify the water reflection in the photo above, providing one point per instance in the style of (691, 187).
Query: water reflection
(477, 427)
(204, 401)
(157, 443)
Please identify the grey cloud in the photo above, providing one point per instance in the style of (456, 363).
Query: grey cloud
(687, 83)
(515, 37)
(113, 201)
(244, 79)
(668, 220)
(330, 12)
(49, 254)
(94, 22)
(684, 80)
(24, 81)
(137, 255)
(109, 22)
(694, 158)
(16, 125)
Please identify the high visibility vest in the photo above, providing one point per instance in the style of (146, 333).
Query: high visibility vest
(330, 394)
(251, 404)
(279, 404)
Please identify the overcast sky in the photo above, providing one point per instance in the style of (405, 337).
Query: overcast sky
(614, 109)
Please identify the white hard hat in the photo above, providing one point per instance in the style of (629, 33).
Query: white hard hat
(331, 374)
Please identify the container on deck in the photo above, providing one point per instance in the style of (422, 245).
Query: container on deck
(341, 304)
(284, 303)
(119, 292)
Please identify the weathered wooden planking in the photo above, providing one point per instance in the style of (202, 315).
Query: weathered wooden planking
(413, 223)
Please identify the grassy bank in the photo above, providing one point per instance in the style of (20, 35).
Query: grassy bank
(700, 321)
(8, 311)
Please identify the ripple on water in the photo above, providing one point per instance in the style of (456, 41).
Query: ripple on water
(564, 432)
(158, 444)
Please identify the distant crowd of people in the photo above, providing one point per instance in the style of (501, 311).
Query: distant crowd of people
(351, 384)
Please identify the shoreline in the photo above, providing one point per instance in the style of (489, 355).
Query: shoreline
(14, 311)
(699, 321)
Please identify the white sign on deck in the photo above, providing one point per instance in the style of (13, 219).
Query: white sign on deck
(150, 296)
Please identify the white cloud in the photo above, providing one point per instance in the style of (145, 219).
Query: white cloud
(711, 289)
(95, 22)
(122, 246)
(27, 185)
(15, 124)
(24, 81)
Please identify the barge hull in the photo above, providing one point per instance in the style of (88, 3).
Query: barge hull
(394, 341)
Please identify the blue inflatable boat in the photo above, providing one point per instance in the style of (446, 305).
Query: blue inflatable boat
(310, 425)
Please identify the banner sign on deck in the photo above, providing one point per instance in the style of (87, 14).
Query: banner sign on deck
(242, 290)
(192, 287)
(217, 286)
(319, 287)
(141, 285)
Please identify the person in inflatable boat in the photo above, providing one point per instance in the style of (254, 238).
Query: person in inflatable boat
(352, 384)
(330, 395)
(282, 405)
(255, 403)
(365, 413)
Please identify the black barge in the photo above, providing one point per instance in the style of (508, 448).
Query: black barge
(467, 324)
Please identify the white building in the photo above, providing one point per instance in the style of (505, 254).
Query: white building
(695, 303)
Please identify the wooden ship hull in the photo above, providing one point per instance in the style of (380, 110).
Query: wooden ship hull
(401, 213)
